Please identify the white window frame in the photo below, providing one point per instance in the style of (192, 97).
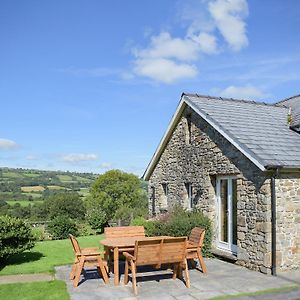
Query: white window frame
(227, 246)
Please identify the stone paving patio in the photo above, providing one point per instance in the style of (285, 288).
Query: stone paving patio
(222, 279)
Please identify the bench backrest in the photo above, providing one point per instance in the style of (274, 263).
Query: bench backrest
(197, 236)
(160, 251)
(124, 231)
(173, 250)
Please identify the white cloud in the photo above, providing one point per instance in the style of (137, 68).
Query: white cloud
(6, 144)
(229, 19)
(164, 46)
(207, 42)
(243, 92)
(168, 59)
(72, 158)
(164, 70)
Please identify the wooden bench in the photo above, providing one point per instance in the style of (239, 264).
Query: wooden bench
(124, 231)
(171, 250)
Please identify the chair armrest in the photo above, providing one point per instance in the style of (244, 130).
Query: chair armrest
(128, 256)
(89, 253)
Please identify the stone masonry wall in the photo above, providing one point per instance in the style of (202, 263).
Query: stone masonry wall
(288, 221)
(198, 158)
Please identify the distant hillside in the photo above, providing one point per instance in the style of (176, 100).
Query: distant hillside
(24, 184)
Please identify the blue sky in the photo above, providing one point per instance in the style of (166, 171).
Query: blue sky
(92, 85)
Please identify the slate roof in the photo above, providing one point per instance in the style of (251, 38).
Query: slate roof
(259, 129)
(294, 104)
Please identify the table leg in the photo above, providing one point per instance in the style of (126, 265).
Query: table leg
(116, 265)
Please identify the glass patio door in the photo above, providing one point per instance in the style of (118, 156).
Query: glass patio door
(227, 214)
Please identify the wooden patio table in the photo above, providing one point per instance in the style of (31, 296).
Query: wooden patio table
(126, 243)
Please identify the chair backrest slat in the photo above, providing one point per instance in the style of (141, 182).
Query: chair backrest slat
(197, 236)
(75, 244)
(124, 231)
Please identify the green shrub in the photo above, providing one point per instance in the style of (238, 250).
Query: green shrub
(97, 218)
(15, 236)
(149, 225)
(60, 228)
(178, 223)
(40, 234)
(126, 214)
(85, 229)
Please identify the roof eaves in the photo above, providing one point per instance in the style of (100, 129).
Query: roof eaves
(247, 152)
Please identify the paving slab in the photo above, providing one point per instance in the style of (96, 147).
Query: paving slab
(221, 279)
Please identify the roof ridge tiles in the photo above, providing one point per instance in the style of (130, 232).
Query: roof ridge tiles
(286, 99)
(232, 99)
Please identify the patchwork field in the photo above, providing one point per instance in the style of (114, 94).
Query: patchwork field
(29, 189)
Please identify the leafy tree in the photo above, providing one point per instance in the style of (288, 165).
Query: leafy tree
(15, 236)
(65, 204)
(113, 191)
(60, 227)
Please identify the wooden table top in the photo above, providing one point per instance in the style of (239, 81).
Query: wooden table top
(127, 241)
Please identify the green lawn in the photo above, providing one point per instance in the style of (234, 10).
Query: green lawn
(45, 255)
(49, 290)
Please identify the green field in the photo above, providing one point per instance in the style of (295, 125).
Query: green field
(45, 255)
(32, 194)
(65, 178)
(49, 290)
(9, 174)
(23, 203)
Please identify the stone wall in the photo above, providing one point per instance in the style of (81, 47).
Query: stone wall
(288, 220)
(197, 153)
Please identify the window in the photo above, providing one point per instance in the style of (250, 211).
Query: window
(153, 200)
(165, 188)
(164, 196)
(188, 131)
(189, 192)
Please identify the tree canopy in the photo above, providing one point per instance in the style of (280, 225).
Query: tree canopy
(115, 193)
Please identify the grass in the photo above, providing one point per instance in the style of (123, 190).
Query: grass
(50, 290)
(9, 174)
(55, 187)
(269, 291)
(23, 203)
(35, 188)
(64, 178)
(45, 255)
(33, 194)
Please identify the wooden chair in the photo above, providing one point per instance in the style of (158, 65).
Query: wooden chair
(157, 252)
(194, 247)
(86, 257)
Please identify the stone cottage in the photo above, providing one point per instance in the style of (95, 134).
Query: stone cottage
(239, 162)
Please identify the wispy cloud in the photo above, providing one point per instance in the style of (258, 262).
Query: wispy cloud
(31, 157)
(105, 166)
(168, 59)
(6, 144)
(244, 92)
(73, 157)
